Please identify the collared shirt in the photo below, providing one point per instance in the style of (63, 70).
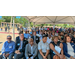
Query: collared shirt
(31, 49)
(8, 47)
(26, 35)
(48, 40)
(31, 52)
(43, 46)
(21, 44)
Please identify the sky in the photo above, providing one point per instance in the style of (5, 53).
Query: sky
(16, 17)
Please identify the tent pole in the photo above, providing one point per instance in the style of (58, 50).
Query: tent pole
(13, 30)
(53, 26)
(29, 25)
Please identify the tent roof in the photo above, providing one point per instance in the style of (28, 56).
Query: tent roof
(51, 19)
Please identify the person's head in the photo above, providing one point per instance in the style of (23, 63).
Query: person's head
(40, 31)
(9, 38)
(31, 42)
(56, 34)
(34, 33)
(21, 36)
(55, 39)
(20, 26)
(74, 35)
(31, 33)
(59, 37)
(21, 32)
(68, 39)
(49, 35)
(26, 32)
(61, 33)
(65, 34)
(44, 38)
(74, 32)
(53, 33)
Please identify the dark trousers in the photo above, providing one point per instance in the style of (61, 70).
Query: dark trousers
(10, 56)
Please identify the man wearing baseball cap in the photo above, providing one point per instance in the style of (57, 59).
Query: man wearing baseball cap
(8, 48)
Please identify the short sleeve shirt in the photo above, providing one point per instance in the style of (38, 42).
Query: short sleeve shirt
(43, 46)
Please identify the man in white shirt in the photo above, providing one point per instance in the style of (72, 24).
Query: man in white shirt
(43, 48)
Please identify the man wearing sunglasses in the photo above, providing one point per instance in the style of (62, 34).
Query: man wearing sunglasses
(8, 48)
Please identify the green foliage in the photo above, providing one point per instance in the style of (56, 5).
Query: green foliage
(6, 18)
(31, 24)
(64, 25)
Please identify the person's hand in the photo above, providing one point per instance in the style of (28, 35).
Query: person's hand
(16, 51)
(44, 57)
(72, 57)
(7, 55)
(29, 58)
(61, 56)
(3, 54)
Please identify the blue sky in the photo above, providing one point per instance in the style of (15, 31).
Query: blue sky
(16, 16)
(0, 16)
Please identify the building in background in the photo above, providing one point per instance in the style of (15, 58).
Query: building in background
(6, 24)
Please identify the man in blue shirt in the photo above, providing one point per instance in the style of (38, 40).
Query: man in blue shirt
(8, 48)
(26, 35)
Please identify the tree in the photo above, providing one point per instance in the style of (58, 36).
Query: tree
(31, 24)
(6, 18)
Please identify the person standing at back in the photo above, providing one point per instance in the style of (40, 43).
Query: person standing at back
(26, 35)
(35, 38)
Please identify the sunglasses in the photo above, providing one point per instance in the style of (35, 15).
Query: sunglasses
(9, 38)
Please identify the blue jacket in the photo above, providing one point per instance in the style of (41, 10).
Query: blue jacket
(65, 49)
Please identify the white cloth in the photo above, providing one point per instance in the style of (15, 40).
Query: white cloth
(43, 46)
(58, 49)
(49, 40)
(31, 49)
(70, 49)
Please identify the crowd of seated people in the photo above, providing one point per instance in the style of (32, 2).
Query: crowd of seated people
(41, 43)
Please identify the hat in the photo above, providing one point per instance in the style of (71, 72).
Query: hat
(30, 32)
(8, 36)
